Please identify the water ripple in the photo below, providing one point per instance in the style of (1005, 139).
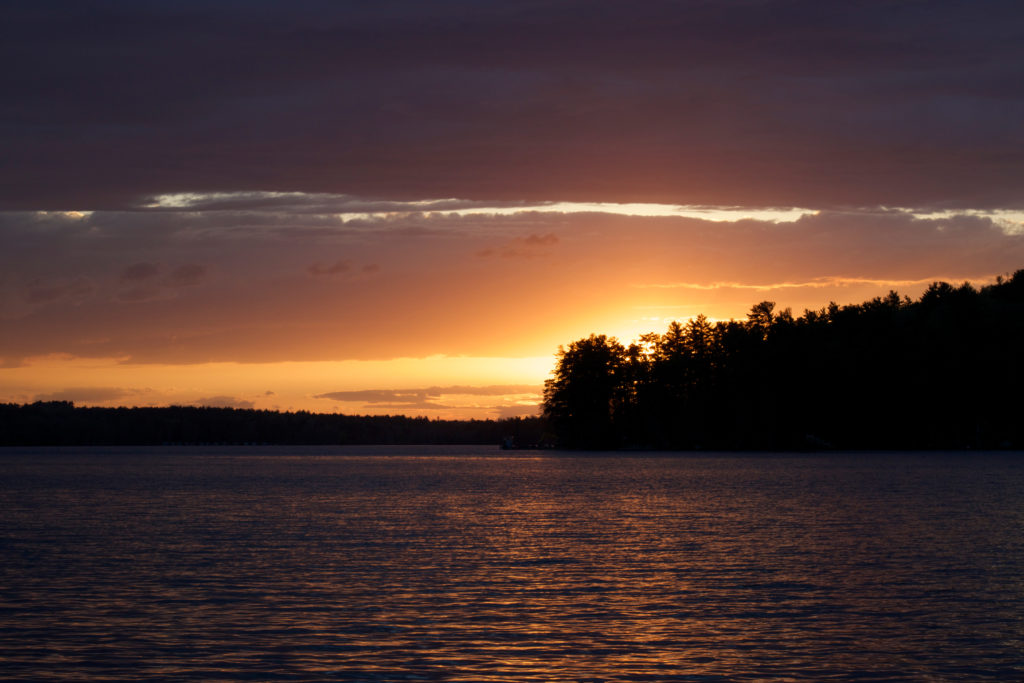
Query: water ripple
(397, 565)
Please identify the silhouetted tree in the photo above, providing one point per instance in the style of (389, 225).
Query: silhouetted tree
(887, 373)
(760, 317)
(587, 392)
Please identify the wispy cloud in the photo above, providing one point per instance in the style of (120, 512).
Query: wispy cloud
(187, 275)
(88, 395)
(141, 282)
(138, 272)
(336, 268)
(505, 400)
(540, 240)
(224, 402)
(421, 395)
(50, 289)
(818, 283)
(522, 247)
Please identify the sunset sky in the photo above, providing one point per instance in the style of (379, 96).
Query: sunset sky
(405, 207)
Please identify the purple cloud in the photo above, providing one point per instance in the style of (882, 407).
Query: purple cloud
(187, 275)
(736, 102)
(426, 399)
(336, 268)
(224, 402)
(418, 395)
(138, 272)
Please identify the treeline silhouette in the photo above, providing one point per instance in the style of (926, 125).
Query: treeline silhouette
(941, 372)
(57, 423)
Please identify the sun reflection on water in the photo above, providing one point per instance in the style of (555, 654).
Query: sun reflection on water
(476, 566)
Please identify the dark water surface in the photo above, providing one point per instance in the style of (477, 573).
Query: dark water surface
(457, 564)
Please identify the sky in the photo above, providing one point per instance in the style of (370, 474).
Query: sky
(405, 207)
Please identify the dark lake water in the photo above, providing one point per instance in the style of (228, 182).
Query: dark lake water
(470, 564)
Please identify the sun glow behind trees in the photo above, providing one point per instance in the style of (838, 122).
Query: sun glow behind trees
(888, 373)
(295, 300)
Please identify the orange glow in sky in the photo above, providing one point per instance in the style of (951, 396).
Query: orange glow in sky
(459, 312)
(513, 384)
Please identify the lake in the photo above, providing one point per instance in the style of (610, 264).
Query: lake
(474, 564)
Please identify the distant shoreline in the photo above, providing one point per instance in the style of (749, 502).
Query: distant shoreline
(61, 423)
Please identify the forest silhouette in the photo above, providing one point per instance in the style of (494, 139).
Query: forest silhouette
(61, 423)
(942, 372)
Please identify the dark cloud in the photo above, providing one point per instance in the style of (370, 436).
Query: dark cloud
(491, 390)
(43, 291)
(376, 395)
(735, 102)
(540, 240)
(224, 402)
(336, 268)
(140, 294)
(522, 247)
(411, 405)
(419, 396)
(187, 275)
(139, 271)
(341, 267)
(304, 203)
(426, 399)
(140, 284)
(388, 399)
